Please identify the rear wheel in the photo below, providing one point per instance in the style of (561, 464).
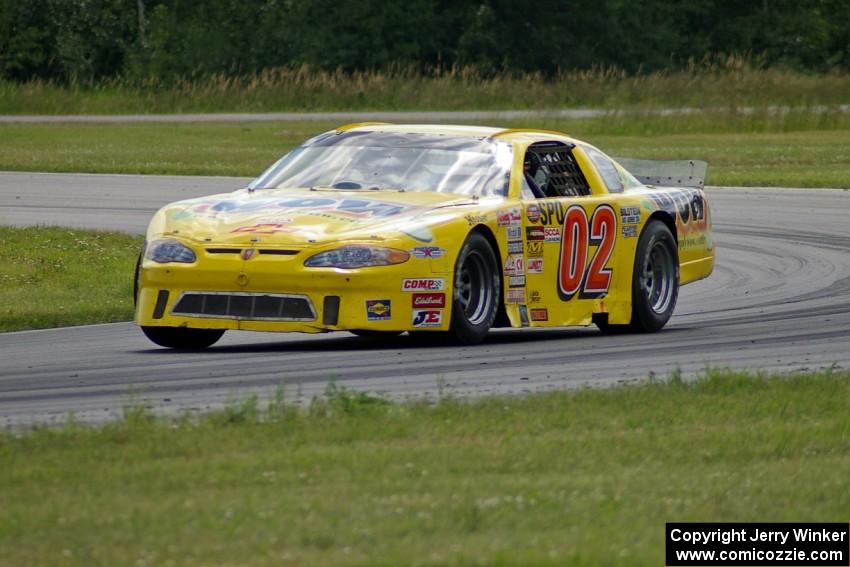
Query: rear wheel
(475, 299)
(655, 282)
(183, 338)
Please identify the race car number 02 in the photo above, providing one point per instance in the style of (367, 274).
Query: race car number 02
(575, 273)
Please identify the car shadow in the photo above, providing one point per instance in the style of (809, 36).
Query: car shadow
(352, 343)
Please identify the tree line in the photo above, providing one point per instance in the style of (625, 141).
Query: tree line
(161, 40)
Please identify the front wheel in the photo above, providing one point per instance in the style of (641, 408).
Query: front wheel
(475, 299)
(655, 282)
(183, 338)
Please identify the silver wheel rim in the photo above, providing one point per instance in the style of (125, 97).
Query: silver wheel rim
(472, 289)
(658, 277)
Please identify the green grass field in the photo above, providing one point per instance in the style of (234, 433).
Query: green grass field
(55, 277)
(569, 478)
(800, 149)
(723, 83)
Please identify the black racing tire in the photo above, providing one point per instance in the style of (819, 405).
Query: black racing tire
(183, 338)
(475, 295)
(655, 282)
(372, 334)
(136, 279)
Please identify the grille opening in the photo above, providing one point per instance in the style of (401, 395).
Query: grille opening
(224, 250)
(245, 306)
(279, 252)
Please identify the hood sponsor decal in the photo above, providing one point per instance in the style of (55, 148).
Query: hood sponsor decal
(422, 300)
(378, 309)
(427, 317)
(264, 228)
(428, 252)
(351, 207)
(423, 284)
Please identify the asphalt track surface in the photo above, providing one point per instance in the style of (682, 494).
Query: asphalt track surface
(779, 299)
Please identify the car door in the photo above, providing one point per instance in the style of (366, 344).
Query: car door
(570, 237)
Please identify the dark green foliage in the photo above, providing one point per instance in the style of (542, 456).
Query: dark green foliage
(162, 40)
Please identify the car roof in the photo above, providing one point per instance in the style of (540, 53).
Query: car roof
(513, 134)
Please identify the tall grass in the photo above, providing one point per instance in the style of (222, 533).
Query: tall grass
(728, 82)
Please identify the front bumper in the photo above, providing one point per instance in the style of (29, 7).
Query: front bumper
(277, 293)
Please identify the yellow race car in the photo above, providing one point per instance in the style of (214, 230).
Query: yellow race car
(380, 229)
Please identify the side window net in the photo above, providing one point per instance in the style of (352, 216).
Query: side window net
(563, 177)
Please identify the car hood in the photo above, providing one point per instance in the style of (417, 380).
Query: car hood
(300, 217)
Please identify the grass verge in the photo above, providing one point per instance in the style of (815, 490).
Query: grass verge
(730, 82)
(800, 149)
(55, 277)
(570, 478)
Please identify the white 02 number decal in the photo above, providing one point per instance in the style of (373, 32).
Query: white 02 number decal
(578, 274)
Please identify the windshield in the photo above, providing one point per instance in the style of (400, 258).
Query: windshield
(394, 161)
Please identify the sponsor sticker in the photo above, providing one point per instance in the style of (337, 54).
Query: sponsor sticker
(515, 247)
(535, 233)
(630, 231)
(539, 314)
(535, 265)
(515, 296)
(473, 219)
(516, 281)
(630, 215)
(423, 284)
(552, 234)
(523, 315)
(532, 212)
(423, 300)
(515, 265)
(428, 252)
(514, 233)
(427, 317)
(535, 248)
(534, 297)
(265, 228)
(378, 309)
(508, 217)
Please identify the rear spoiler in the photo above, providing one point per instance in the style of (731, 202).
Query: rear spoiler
(676, 173)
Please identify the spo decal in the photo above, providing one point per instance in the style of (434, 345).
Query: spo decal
(575, 273)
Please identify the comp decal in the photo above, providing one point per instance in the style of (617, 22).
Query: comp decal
(423, 284)
(576, 274)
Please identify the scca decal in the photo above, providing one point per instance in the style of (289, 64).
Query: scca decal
(575, 274)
